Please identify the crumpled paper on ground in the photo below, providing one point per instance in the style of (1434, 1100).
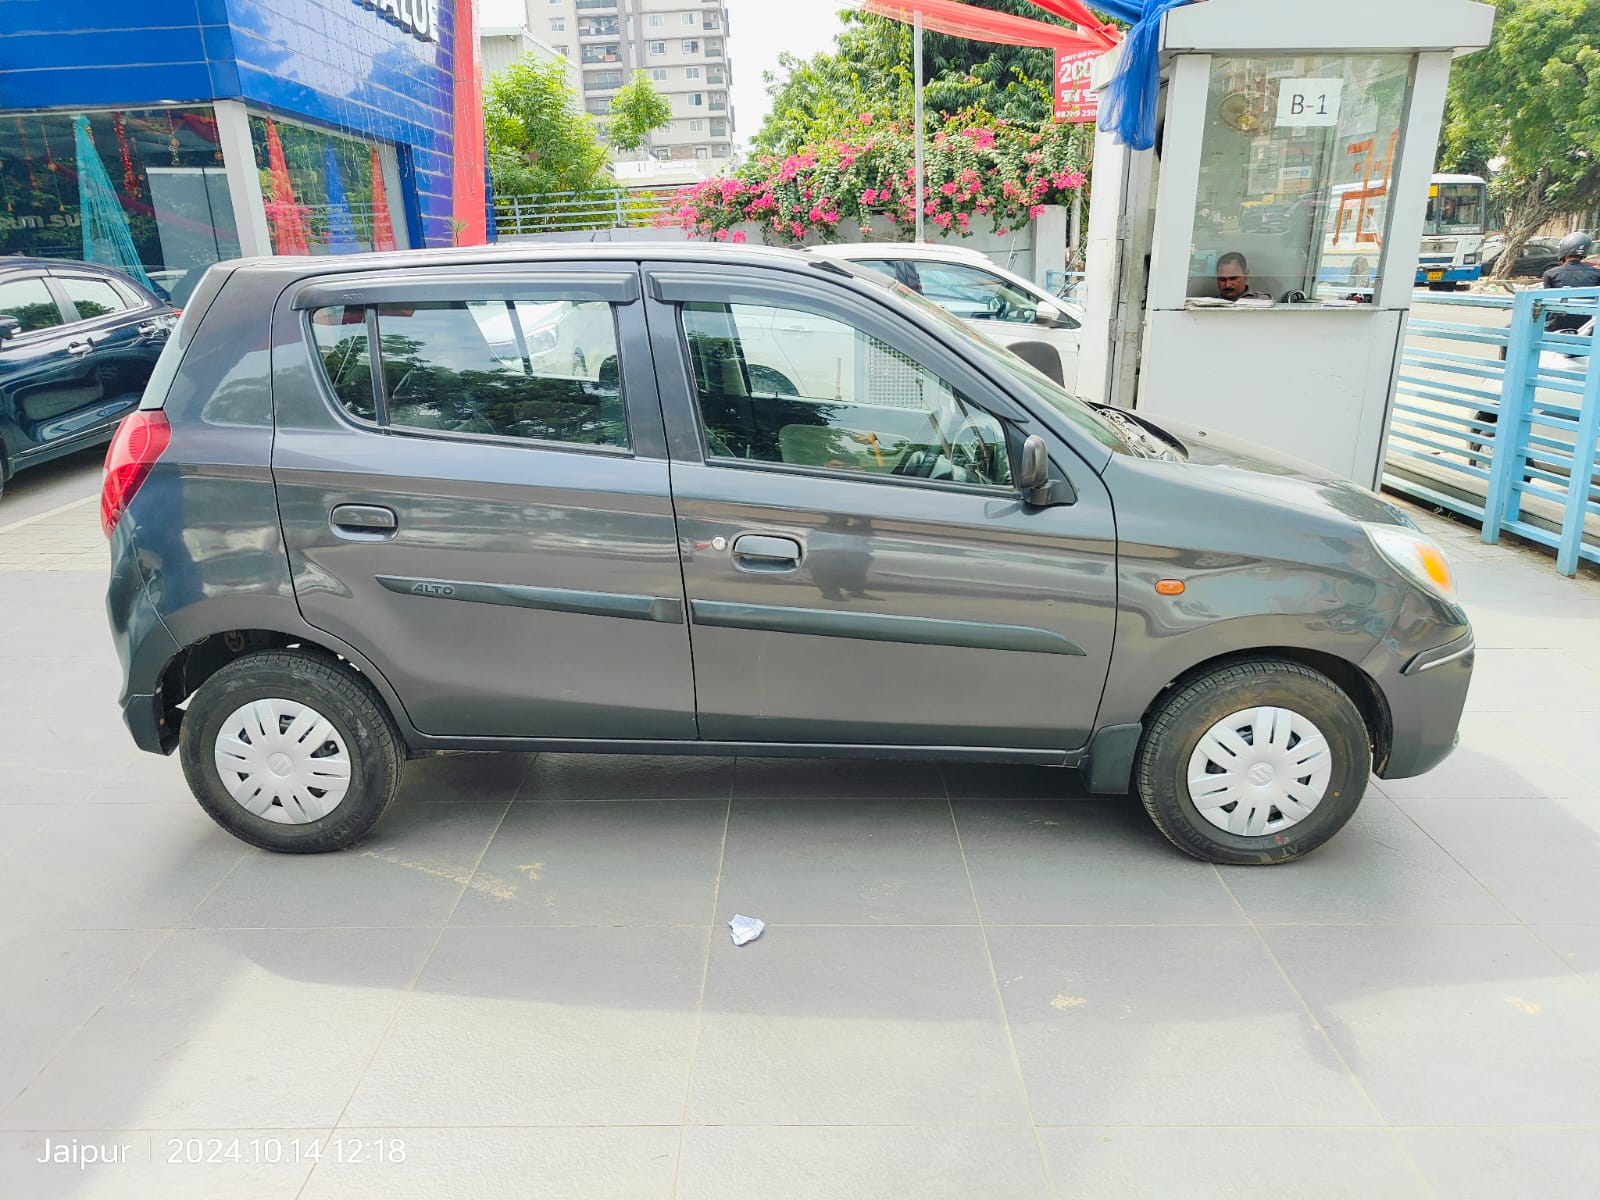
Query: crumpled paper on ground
(746, 929)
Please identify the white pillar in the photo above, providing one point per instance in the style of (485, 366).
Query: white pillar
(916, 73)
(244, 179)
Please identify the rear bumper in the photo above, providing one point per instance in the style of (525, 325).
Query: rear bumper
(1426, 692)
(144, 646)
(1451, 274)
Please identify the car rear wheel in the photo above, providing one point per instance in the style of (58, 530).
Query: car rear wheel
(1256, 763)
(290, 751)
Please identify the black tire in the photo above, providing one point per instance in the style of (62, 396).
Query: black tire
(320, 682)
(1185, 717)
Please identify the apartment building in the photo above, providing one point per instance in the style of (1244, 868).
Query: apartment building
(682, 45)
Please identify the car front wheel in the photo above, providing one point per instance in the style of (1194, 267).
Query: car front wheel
(290, 751)
(1256, 763)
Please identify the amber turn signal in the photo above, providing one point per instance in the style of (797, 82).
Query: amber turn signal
(1169, 587)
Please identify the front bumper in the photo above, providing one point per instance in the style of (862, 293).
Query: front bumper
(1426, 691)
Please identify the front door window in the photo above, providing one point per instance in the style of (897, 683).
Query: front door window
(793, 388)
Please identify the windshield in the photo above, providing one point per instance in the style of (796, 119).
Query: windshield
(1456, 208)
(1079, 414)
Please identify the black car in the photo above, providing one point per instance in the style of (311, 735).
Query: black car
(77, 345)
(1536, 257)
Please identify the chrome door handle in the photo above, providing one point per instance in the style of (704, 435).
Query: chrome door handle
(79, 349)
(761, 552)
(151, 329)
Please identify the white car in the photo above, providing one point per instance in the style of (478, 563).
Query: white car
(1004, 306)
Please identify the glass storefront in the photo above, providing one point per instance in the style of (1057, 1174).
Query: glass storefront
(140, 190)
(1297, 161)
(324, 193)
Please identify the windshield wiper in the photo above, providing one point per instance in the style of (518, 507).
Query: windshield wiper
(1135, 434)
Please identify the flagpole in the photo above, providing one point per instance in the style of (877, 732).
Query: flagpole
(916, 70)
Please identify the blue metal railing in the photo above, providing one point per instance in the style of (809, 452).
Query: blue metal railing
(1497, 419)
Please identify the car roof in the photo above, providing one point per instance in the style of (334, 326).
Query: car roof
(923, 250)
(16, 262)
(532, 252)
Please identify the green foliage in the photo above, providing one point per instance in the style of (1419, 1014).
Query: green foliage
(1532, 99)
(539, 139)
(823, 96)
(1015, 83)
(870, 72)
(637, 111)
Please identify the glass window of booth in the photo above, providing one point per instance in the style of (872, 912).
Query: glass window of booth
(1297, 161)
(142, 190)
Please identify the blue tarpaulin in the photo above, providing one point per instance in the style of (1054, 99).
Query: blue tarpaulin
(1129, 110)
(106, 236)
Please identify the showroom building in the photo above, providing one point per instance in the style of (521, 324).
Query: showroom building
(160, 136)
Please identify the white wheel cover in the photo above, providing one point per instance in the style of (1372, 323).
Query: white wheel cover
(1260, 771)
(283, 761)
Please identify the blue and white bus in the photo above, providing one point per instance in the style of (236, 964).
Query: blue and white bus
(1452, 237)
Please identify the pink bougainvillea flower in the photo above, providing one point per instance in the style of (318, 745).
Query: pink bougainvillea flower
(739, 235)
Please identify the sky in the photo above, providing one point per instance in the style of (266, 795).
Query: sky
(759, 30)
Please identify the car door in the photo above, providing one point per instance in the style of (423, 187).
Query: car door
(124, 334)
(490, 525)
(858, 568)
(46, 379)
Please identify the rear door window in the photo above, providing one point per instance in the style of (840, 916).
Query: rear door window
(30, 302)
(93, 298)
(541, 371)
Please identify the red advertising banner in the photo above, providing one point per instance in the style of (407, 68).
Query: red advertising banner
(1076, 101)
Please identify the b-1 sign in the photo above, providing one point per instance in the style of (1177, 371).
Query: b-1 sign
(1304, 102)
(1076, 100)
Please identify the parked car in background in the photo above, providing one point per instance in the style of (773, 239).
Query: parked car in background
(1001, 304)
(1536, 257)
(77, 345)
(804, 512)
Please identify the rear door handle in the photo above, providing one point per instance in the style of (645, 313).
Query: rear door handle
(762, 552)
(364, 522)
(79, 349)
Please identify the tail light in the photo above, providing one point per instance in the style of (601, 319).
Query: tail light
(141, 439)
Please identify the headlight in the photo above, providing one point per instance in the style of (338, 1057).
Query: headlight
(1470, 260)
(1415, 557)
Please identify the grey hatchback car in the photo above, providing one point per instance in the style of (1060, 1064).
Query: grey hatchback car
(726, 500)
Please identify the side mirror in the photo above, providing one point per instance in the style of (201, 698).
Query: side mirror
(1033, 472)
(1033, 480)
(9, 327)
(1047, 315)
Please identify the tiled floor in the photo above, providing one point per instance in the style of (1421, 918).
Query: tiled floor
(974, 981)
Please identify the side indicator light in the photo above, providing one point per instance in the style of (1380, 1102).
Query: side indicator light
(1169, 587)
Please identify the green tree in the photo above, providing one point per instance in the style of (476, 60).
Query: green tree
(1532, 99)
(820, 97)
(538, 138)
(1015, 83)
(870, 72)
(637, 111)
